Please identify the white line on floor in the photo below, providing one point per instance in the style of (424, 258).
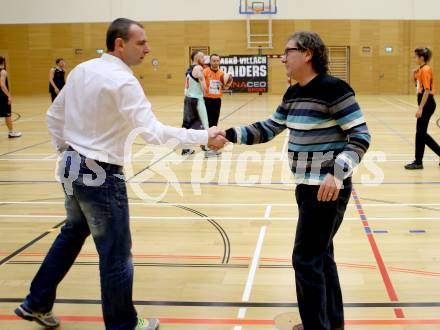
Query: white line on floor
(253, 268)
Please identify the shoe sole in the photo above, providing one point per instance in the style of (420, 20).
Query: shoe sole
(156, 325)
(153, 324)
(212, 156)
(20, 313)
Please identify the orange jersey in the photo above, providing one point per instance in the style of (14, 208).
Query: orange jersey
(424, 79)
(214, 83)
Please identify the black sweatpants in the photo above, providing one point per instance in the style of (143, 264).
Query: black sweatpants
(213, 110)
(422, 136)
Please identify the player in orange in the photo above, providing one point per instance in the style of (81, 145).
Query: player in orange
(425, 98)
(215, 83)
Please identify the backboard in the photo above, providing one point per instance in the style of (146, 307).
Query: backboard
(253, 7)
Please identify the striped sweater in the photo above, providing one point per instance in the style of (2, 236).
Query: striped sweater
(327, 131)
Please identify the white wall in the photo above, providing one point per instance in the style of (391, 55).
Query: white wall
(65, 11)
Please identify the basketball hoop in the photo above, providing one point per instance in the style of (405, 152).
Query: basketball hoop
(257, 7)
(254, 7)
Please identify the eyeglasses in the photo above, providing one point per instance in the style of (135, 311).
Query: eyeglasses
(287, 50)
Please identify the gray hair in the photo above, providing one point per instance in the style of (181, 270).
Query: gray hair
(313, 42)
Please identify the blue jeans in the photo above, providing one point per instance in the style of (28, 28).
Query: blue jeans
(100, 210)
(317, 283)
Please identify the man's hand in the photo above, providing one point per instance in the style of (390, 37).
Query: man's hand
(419, 113)
(56, 90)
(9, 100)
(216, 138)
(329, 189)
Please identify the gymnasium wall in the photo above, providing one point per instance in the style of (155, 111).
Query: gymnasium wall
(90, 11)
(31, 37)
(31, 48)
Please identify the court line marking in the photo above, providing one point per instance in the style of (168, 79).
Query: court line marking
(414, 106)
(268, 211)
(391, 131)
(377, 255)
(254, 266)
(23, 148)
(247, 102)
(284, 148)
(154, 204)
(233, 304)
(429, 154)
(278, 262)
(51, 216)
(130, 179)
(28, 244)
(52, 158)
(206, 321)
(267, 185)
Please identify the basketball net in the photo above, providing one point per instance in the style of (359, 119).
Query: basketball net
(256, 9)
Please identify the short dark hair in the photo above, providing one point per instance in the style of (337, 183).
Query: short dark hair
(313, 42)
(214, 55)
(58, 60)
(194, 53)
(2, 60)
(119, 29)
(425, 52)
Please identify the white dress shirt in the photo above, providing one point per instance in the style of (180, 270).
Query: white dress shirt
(100, 105)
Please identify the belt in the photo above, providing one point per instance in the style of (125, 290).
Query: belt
(106, 166)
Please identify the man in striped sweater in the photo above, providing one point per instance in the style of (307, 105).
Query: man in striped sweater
(328, 137)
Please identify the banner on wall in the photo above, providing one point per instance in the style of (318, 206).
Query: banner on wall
(249, 72)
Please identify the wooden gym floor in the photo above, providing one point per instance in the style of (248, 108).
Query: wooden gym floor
(215, 252)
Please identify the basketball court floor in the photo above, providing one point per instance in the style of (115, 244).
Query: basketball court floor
(212, 238)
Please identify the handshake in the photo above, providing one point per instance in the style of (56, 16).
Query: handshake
(216, 138)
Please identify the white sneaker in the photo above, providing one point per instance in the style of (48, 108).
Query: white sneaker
(14, 134)
(48, 320)
(212, 153)
(147, 324)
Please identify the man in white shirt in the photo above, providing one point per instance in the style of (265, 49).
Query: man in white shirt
(92, 117)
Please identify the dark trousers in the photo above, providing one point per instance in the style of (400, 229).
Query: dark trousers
(317, 283)
(102, 211)
(422, 136)
(53, 95)
(213, 107)
(191, 117)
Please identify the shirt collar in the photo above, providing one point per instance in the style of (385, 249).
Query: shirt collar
(116, 60)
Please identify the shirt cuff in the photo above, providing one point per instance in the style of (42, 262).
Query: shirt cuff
(340, 169)
(231, 135)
